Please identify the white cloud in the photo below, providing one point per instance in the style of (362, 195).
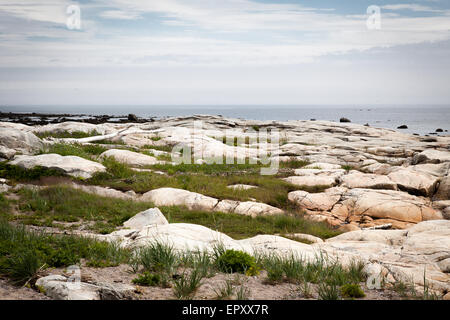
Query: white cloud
(121, 15)
(410, 6)
(233, 32)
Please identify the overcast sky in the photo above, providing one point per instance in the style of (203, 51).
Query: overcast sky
(224, 52)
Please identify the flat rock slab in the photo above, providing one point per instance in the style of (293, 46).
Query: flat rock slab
(406, 254)
(356, 179)
(311, 180)
(131, 158)
(196, 201)
(241, 187)
(71, 165)
(378, 204)
(59, 287)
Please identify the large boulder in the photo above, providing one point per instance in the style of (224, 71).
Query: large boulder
(180, 197)
(145, 218)
(19, 140)
(131, 158)
(414, 182)
(60, 287)
(431, 156)
(71, 165)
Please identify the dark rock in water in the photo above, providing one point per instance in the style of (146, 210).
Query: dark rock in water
(344, 120)
(403, 126)
(367, 125)
(416, 134)
(312, 119)
(439, 130)
(132, 117)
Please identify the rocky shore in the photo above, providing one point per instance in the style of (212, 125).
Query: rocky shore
(387, 192)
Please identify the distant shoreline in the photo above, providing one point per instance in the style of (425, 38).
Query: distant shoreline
(34, 118)
(44, 118)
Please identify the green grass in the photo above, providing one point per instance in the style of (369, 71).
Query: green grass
(23, 253)
(352, 290)
(186, 284)
(20, 174)
(87, 151)
(294, 163)
(225, 291)
(67, 134)
(232, 261)
(147, 279)
(320, 270)
(328, 291)
(165, 148)
(240, 227)
(65, 204)
(204, 179)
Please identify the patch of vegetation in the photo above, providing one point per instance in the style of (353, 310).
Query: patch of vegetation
(347, 167)
(67, 134)
(4, 205)
(87, 151)
(165, 148)
(225, 291)
(319, 270)
(65, 204)
(23, 253)
(208, 169)
(158, 257)
(237, 261)
(240, 227)
(17, 173)
(352, 291)
(243, 293)
(294, 163)
(147, 279)
(186, 284)
(328, 291)
(271, 189)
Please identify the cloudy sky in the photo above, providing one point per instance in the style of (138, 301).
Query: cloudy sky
(212, 52)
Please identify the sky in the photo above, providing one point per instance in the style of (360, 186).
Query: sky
(224, 52)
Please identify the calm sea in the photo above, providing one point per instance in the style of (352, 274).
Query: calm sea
(419, 119)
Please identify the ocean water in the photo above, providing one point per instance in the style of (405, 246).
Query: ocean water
(419, 119)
